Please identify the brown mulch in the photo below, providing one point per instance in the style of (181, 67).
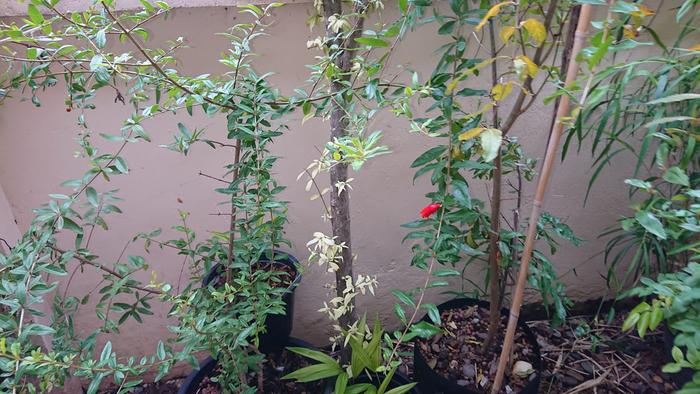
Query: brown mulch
(585, 357)
(457, 354)
(582, 356)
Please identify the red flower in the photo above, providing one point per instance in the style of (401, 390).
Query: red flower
(429, 210)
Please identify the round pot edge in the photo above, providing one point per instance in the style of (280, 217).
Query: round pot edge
(531, 387)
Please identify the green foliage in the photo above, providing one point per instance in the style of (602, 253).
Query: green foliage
(648, 108)
(366, 364)
(225, 320)
(675, 299)
(476, 143)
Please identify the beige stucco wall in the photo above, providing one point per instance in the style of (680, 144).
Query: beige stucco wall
(37, 146)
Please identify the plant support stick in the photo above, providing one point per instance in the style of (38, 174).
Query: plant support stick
(543, 180)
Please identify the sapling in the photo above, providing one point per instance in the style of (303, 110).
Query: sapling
(478, 120)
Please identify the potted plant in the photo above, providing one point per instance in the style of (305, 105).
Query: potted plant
(457, 345)
(227, 320)
(277, 364)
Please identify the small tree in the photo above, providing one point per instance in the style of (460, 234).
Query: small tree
(73, 47)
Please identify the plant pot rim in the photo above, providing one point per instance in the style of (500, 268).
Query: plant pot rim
(207, 366)
(457, 303)
(289, 260)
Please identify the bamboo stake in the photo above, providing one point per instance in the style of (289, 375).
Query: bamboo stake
(542, 182)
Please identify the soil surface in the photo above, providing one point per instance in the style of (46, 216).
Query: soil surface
(591, 356)
(275, 367)
(163, 387)
(457, 354)
(588, 356)
(286, 276)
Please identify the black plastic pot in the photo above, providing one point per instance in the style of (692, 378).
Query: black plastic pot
(277, 327)
(397, 380)
(432, 382)
(208, 366)
(685, 375)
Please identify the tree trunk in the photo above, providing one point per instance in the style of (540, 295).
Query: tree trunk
(340, 203)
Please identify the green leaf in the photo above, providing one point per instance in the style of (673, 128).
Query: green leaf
(643, 324)
(428, 156)
(447, 28)
(34, 14)
(121, 165)
(314, 372)
(106, 352)
(624, 7)
(638, 183)
(630, 321)
(160, 352)
(433, 313)
(675, 98)
(372, 42)
(668, 119)
(95, 62)
(671, 368)
(676, 176)
(403, 6)
(91, 195)
(38, 329)
(341, 383)
(655, 319)
(424, 329)
(405, 298)
(446, 272)
(313, 354)
(651, 223)
(677, 354)
(460, 191)
(95, 384)
(101, 39)
(401, 389)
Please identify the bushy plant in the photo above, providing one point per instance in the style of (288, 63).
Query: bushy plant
(675, 298)
(647, 107)
(513, 44)
(225, 319)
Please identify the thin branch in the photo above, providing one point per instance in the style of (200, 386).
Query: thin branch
(107, 270)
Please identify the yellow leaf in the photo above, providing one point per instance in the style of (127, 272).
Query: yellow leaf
(469, 134)
(493, 11)
(644, 10)
(695, 48)
(451, 86)
(506, 33)
(501, 91)
(523, 64)
(630, 32)
(536, 30)
(479, 112)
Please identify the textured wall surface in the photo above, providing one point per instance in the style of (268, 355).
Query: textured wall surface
(17, 7)
(37, 146)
